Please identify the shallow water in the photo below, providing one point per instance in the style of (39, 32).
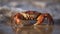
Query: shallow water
(39, 29)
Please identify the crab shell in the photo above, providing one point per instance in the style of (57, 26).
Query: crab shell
(33, 15)
(30, 15)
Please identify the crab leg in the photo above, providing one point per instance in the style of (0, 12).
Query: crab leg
(49, 18)
(40, 19)
(17, 18)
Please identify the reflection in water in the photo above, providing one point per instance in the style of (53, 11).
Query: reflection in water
(40, 29)
(45, 30)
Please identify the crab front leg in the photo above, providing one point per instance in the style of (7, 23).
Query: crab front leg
(17, 18)
(40, 19)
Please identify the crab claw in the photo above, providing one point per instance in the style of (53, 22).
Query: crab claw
(40, 19)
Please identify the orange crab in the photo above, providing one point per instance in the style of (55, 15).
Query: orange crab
(33, 15)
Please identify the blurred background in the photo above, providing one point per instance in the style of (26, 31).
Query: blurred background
(44, 6)
(10, 7)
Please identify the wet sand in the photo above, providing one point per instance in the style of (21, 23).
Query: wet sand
(39, 29)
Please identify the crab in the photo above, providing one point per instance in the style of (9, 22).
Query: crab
(33, 15)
